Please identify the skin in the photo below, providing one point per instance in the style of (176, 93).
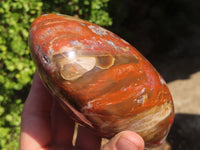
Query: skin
(46, 126)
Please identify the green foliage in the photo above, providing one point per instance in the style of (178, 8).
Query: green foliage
(95, 11)
(16, 66)
(98, 15)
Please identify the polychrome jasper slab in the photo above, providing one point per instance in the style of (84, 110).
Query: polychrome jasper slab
(105, 82)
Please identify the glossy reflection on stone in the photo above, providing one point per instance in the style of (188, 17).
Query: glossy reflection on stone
(104, 81)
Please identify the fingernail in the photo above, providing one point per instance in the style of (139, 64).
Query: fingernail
(125, 144)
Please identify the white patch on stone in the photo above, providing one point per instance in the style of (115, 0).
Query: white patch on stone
(109, 103)
(162, 81)
(98, 30)
(65, 49)
(114, 36)
(112, 44)
(75, 43)
(51, 50)
(88, 106)
(34, 28)
(82, 24)
(141, 92)
(143, 96)
(124, 89)
(126, 49)
(45, 14)
(140, 101)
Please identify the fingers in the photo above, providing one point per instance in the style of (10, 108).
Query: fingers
(35, 127)
(39, 99)
(86, 140)
(44, 123)
(126, 140)
(38, 131)
(62, 128)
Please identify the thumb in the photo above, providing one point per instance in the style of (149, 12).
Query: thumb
(125, 140)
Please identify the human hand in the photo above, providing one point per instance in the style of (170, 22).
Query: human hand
(45, 126)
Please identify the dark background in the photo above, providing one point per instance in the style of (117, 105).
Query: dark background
(167, 33)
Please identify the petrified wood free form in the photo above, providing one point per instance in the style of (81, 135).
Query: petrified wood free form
(105, 82)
